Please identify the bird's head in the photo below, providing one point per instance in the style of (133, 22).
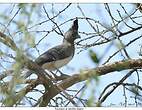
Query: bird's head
(72, 33)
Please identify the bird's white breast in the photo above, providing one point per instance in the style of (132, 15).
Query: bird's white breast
(56, 64)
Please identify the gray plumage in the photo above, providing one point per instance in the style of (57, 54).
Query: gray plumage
(60, 55)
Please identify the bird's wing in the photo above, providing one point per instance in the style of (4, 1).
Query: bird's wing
(56, 53)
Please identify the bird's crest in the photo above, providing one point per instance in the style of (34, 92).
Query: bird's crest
(75, 24)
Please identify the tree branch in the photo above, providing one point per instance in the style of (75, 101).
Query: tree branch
(84, 75)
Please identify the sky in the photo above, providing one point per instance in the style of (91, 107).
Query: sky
(82, 60)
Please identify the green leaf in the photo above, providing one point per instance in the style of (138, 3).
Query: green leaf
(134, 90)
(90, 101)
(96, 78)
(1, 53)
(29, 39)
(94, 57)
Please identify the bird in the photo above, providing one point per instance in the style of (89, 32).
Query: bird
(60, 55)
